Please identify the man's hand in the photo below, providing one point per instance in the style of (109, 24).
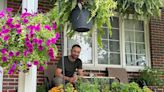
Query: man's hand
(72, 79)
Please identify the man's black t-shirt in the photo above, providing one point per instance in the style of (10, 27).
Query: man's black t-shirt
(70, 67)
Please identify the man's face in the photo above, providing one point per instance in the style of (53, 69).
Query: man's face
(75, 52)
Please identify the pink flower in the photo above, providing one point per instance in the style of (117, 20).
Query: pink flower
(47, 27)
(48, 42)
(4, 51)
(57, 35)
(11, 54)
(11, 26)
(25, 21)
(40, 41)
(24, 15)
(40, 47)
(17, 25)
(25, 53)
(9, 10)
(41, 68)
(17, 53)
(6, 37)
(19, 31)
(37, 27)
(36, 62)
(9, 21)
(12, 69)
(51, 53)
(53, 40)
(2, 14)
(54, 26)
(4, 59)
(5, 31)
(35, 40)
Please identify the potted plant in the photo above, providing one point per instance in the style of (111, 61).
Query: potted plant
(99, 12)
(26, 40)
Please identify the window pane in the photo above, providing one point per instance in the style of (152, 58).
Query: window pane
(110, 44)
(139, 36)
(114, 58)
(129, 36)
(115, 34)
(140, 60)
(114, 46)
(134, 42)
(86, 46)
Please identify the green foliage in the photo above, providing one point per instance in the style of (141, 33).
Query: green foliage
(41, 88)
(101, 11)
(139, 8)
(151, 76)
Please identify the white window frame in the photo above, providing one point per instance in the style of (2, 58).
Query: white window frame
(96, 66)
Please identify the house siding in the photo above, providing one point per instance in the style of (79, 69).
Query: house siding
(156, 26)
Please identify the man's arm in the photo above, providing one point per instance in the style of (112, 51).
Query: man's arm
(80, 72)
(58, 73)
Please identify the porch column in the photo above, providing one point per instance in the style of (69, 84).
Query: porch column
(3, 4)
(28, 81)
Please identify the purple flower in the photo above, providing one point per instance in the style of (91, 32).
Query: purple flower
(30, 50)
(37, 27)
(4, 51)
(29, 64)
(53, 40)
(19, 31)
(57, 35)
(5, 31)
(36, 62)
(40, 41)
(51, 53)
(25, 53)
(17, 53)
(40, 47)
(54, 26)
(9, 10)
(24, 15)
(35, 40)
(11, 54)
(25, 20)
(41, 68)
(6, 37)
(47, 27)
(48, 42)
(4, 59)
(11, 26)
(9, 21)
(12, 69)
(17, 25)
(2, 14)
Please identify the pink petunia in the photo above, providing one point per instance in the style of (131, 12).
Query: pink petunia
(51, 53)
(6, 37)
(35, 40)
(57, 35)
(5, 31)
(4, 51)
(11, 53)
(41, 68)
(4, 59)
(2, 14)
(25, 21)
(19, 31)
(40, 41)
(36, 62)
(48, 42)
(40, 47)
(9, 10)
(47, 27)
(17, 25)
(25, 53)
(54, 26)
(9, 21)
(37, 27)
(53, 40)
(12, 69)
(17, 53)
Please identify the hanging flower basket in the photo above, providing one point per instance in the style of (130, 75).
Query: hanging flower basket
(26, 40)
(80, 20)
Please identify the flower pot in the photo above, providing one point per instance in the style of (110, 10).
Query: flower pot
(80, 20)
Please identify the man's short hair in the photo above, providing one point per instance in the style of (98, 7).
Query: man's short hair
(76, 45)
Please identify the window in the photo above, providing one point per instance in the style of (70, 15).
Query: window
(126, 47)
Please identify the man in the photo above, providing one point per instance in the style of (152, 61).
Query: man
(71, 63)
